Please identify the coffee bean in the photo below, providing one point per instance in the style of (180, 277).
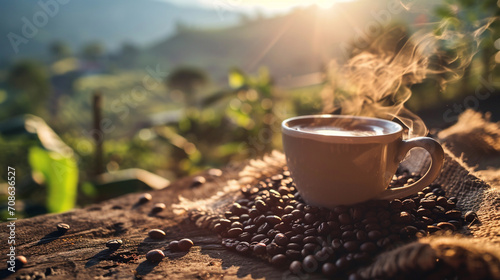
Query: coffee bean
(260, 249)
(453, 214)
(427, 190)
(258, 237)
(471, 217)
(297, 214)
(287, 218)
(427, 203)
(281, 239)
(329, 269)
(275, 249)
(370, 227)
(198, 181)
(430, 196)
(236, 225)
(348, 235)
(384, 242)
(20, 261)
(264, 228)
(62, 227)
(442, 201)
(446, 226)
(427, 220)
(297, 238)
(293, 254)
(432, 228)
(409, 230)
(245, 236)
(310, 247)
(354, 275)
(311, 232)
(342, 263)
(259, 220)
(114, 244)
(243, 248)
(234, 232)
(261, 206)
(294, 246)
(144, 198)
(214, 172)
(273, 219)
(157, 234)
(173, 246)
(395, 204)
(225, 223)
(279, 260)
(424, 212)
(345, 219)
(374, 235)
(250, 228)
(368, 247)
(351, 246)
(438, 210)
(296, 267)
(404, 217)
(155, 255)
(253, 213)
(456, 223)
(309, 264)
(158, 207)
(408, 204)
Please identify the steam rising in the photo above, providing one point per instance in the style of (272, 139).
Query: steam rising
(376, 81)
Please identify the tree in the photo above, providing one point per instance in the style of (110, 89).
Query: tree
(188, 80)
(59, 49)
(93, 51)
(29, 82)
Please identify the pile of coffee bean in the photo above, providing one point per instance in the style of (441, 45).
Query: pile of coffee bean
(271, 221)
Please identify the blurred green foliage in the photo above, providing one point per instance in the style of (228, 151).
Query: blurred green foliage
(60, 173)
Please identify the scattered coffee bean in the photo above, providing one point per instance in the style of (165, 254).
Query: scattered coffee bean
(198, 181)
(158, 207)
(185, 244)
(62, 227)
(471, 217)
(173, 246)
(215, 172)
(114, 244)
(155, 255)
(156, 234)
(20, 261)
(144, 198)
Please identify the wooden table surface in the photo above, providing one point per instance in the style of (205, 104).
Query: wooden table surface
(81, 252)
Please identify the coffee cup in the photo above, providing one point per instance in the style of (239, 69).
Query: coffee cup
(343, 160)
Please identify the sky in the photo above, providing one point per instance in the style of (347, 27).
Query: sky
(265, 6)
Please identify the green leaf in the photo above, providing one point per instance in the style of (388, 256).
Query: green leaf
(61, 177)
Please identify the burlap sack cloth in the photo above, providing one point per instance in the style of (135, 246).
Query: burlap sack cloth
(472, 254)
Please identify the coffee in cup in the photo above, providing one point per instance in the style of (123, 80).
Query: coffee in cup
(342, 160)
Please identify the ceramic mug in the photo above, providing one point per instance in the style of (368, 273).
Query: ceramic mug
(342, 160)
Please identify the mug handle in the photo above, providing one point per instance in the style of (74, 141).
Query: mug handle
(437, 160)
